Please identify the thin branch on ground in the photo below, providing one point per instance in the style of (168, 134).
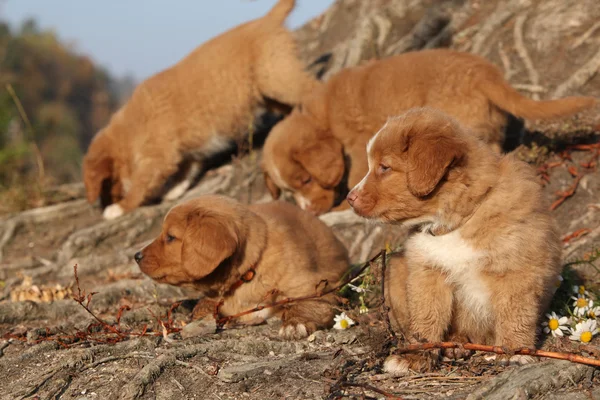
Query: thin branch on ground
(384, 304)
(575, 358)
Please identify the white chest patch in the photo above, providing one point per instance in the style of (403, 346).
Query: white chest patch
(461, 262)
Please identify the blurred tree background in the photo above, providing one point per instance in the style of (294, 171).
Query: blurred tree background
(52, 102)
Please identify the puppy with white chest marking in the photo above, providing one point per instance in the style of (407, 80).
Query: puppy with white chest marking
(483, 253)
(199, 107)
(248, 256)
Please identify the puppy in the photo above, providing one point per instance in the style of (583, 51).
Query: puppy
(199, 107)
(210, 243)
(305, 152)
(483, 252)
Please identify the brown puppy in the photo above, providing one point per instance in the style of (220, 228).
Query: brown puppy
(305, 152)
(199, 107)
(211, 242)
(483, 254)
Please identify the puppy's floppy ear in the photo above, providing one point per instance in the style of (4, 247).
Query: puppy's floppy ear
(273, 188)
(323, 160)
(97, 167)
(207, 242)
(430, 155)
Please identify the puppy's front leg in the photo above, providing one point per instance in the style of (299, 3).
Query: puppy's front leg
(429, 300)
(516, 330)
(304, 317)
(147, 180)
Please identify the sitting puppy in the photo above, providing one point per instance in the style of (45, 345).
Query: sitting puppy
(211, 243)
(483, 253)
(305, 152)
(199, 107)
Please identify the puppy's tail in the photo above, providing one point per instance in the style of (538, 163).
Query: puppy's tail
(504, 96)
(280, 11)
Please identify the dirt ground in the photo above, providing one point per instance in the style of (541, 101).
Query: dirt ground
(52, 348)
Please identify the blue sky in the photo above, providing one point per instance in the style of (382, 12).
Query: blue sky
(142, 37)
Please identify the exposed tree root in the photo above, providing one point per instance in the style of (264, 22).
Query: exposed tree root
(579, 78)
(534, 77)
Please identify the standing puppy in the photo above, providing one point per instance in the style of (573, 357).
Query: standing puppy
(309, 152)
(197, 108)
(483, 254)
(248, 256)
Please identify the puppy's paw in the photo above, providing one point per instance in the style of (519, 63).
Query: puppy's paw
(113, 211)
(457, 353)
(506, 360)
(521, 360)
(421, 362)
(294, 331)
(396, 365)
(177, 191)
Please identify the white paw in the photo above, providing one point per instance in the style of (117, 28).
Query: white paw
(521, 360)
(514, 360)
(113, 211)
(396, 366)
(291, 332)
(177, 191)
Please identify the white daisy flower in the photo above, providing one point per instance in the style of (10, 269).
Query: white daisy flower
(581, 305)
(342, 321)
(555, 324)
(584, 331)
(593, 312)
(580, 290)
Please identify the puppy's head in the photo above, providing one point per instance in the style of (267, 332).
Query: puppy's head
(196, 238)
(99, 172)
(302, 157)
(413, 160)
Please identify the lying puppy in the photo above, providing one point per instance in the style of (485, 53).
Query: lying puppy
(197, 108)
(483, 254)
(305, 152)
(210, 243)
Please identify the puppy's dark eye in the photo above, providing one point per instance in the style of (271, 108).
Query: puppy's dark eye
(383, 168)
(307, 180)
(169, 238)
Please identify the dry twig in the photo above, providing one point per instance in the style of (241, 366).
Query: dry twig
(575, 358)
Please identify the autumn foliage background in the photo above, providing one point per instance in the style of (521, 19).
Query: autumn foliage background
(52, 102)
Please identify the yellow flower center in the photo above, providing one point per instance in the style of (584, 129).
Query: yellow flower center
(344, 324)
(553, 324)
(581, 289)
(586, 336)
(581, 302)
(591, 314)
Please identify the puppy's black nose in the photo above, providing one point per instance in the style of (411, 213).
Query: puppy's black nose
(138, 257)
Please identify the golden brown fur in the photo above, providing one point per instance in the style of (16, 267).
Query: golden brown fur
(210, 242)
(304, 153)
(483, 254)
(198, 107)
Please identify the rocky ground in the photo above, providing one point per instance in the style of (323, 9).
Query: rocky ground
(52, 347)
